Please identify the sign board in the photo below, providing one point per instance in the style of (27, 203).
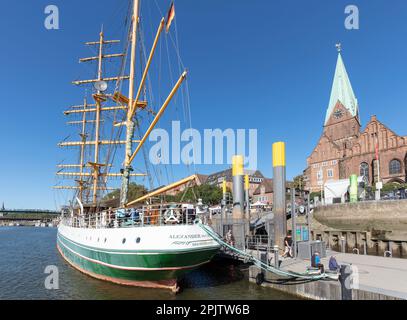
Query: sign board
(301, 233)
(379, 185)
(304, 233)
(298, 234)
(353, 188)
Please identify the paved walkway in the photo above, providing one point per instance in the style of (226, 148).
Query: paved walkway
(376, 274)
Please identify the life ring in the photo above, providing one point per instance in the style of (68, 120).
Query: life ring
(170, 215)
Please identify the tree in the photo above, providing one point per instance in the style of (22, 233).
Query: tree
(299, 182)
(210, 195)
(135, 191)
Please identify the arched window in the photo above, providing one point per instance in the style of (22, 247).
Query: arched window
(395, 166)
(364, 170)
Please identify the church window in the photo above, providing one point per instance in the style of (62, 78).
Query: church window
(364, 170)
(395, 166)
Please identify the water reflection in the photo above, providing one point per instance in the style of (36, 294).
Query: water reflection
(25, 252)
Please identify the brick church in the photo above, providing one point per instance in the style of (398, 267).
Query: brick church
(375, 152)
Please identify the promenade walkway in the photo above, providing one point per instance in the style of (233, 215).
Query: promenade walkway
(387, 276)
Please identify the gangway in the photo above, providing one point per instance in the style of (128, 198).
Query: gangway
(262, 265)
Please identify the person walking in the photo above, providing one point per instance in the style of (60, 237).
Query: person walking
(288, 242)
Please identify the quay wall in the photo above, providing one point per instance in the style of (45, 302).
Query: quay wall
(317, 290)
(373, 227)
(389, 215)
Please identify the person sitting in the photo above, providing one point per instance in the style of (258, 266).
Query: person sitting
(333, 264)
(316, 262)
(135, 215)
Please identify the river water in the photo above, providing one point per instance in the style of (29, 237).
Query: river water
(25, 252)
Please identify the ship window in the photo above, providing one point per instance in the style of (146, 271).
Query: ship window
(105, 240)
(395, 166)
(124, 240)
(98, 239)
(138, 240)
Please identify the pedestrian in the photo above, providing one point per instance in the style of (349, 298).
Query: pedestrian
(288, 241)
(229, 238)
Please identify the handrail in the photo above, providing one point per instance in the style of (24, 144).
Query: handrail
(153, 215)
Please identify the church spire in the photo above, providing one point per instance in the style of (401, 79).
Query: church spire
(342, 89)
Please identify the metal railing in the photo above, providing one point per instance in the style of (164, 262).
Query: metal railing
(261, 242)
(152, 215)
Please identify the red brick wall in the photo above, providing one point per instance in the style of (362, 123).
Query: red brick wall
(343, 147)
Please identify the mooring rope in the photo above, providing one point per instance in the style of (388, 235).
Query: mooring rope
(259, 263)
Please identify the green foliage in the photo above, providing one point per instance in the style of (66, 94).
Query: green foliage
(299, 182)
(210, 195)
(135, 191)
(392, 186)
(315, 194)
(31, 216)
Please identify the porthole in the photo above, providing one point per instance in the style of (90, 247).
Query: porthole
(98, 239)
(124, 240)
(138, 240)
(105, 240)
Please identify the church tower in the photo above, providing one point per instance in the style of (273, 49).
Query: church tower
(342, 123)
(340, 134)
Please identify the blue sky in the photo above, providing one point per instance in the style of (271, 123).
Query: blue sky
(259, 64)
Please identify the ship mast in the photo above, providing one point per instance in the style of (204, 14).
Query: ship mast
(97, 109)
(98, 99)
(129, 118)
(80, 181)
(134, 103)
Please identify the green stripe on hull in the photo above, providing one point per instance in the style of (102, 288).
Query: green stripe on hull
(80, 256)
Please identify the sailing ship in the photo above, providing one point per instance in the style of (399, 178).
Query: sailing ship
(141, 242)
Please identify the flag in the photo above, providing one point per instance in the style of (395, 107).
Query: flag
(170, 17)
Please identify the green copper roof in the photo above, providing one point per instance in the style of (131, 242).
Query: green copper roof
(342, 91)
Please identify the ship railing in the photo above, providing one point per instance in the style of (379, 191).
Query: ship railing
(151, 215)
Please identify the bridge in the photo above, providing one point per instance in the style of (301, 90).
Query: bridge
(4, 212)
(27, 216)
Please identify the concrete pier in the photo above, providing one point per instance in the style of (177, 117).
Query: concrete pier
(379, 278)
